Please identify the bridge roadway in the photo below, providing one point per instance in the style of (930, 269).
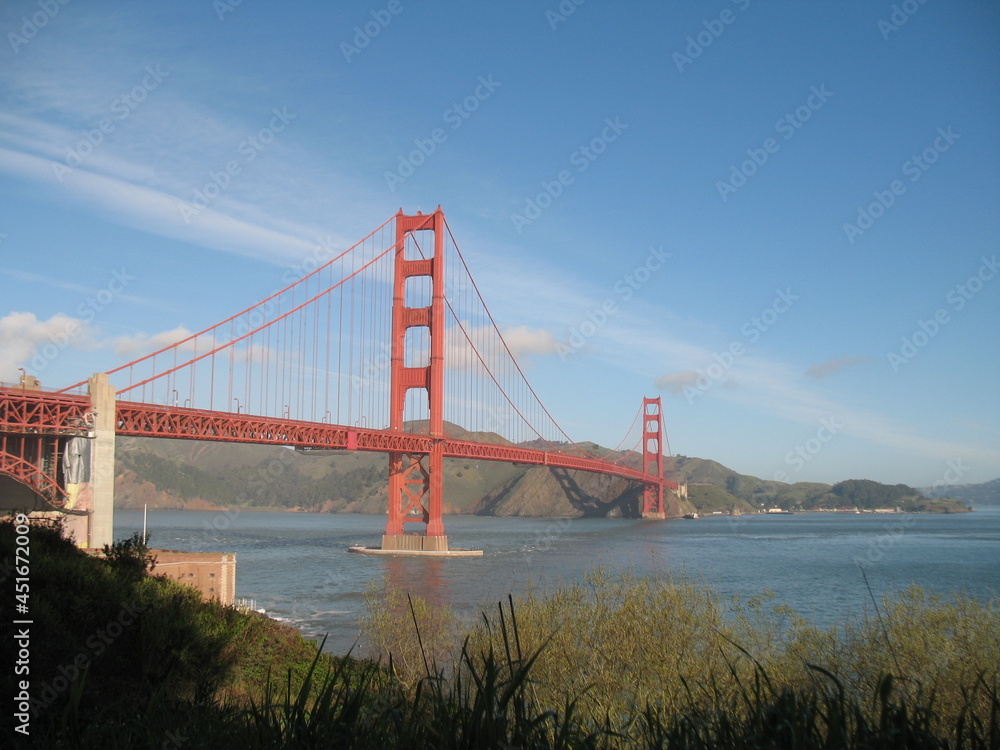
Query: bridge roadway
(39, 412)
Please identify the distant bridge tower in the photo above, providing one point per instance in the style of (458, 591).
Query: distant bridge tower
(652, 457)
(416, 487)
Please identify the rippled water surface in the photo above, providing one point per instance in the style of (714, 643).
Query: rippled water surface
(296, 565)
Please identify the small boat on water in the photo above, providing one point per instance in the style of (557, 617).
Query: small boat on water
(691, 515)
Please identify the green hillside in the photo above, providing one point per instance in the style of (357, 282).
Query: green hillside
(197, 475)
(756, 493)
(204, 475)
(708, 498)
(178, 473)
(864, 494)
(987, 493)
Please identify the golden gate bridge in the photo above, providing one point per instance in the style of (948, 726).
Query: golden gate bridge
(385, 347)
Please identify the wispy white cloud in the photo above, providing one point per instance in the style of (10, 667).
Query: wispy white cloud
(676, 382)
(141, 342)
(159, 151)
(157, 212)
(467, 347)
(59, 145)
(825, 369)
(72, 286)
(524, 341)
(776, 389)
(636, 338)
(26, 341)
(143, 173)
(35, 278)
(527, 291)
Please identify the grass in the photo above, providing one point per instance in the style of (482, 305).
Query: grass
(616, 661)
(656, 662)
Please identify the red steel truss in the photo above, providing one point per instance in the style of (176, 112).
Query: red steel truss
(30, 412)
(33, 461)
(33, 427)
(143, 420)
(25, 414)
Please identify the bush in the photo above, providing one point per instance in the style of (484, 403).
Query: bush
(618, 661)
(108, 642)
(414, 637)
(621, 646)
(131, 557)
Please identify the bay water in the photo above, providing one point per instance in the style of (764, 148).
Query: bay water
(297, 568)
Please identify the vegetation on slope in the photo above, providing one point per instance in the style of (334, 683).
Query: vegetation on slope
(177, 473)
(757, 493)
(708, 498)
(618, 661)
(987, 493)
(863, 494)
(660, 662)
(182, 480)
(110, 644)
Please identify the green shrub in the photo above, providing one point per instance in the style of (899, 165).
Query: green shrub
(407, 632)
(622, 646)
(617, 661)
(131, 557)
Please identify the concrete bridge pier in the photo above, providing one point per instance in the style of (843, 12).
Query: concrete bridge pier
(102, 461)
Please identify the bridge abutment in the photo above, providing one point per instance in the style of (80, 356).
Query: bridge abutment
(102, 461)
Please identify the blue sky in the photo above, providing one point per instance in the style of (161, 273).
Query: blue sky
(780, 217)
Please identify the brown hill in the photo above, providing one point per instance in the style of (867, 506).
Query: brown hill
(547, 491)
(203, 475)
(180, 474)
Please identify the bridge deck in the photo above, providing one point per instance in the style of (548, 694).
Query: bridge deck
(39, 412)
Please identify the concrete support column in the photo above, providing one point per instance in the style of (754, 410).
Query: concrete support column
(102, 461)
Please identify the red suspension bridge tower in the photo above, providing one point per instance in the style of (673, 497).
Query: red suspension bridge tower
(415, 487)
(652, 457)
